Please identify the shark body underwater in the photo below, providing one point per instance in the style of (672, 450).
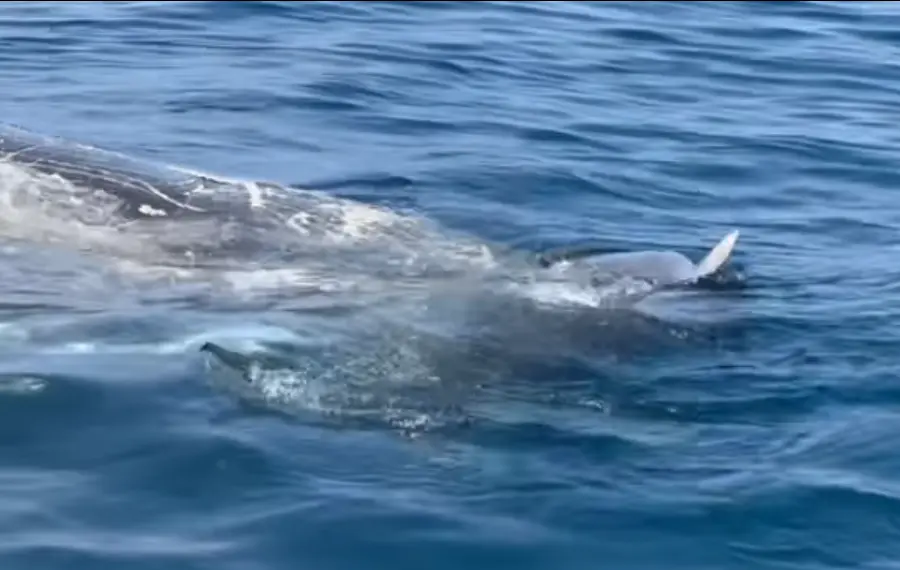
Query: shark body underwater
(145, 192)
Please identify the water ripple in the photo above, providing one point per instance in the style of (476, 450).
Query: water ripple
(744, 425)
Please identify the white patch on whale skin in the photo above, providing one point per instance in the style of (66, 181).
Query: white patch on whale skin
(256, 195)
(149, 210)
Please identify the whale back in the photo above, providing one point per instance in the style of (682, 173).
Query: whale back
(659, 267)
(139, 185)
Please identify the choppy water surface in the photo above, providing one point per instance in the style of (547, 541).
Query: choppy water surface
(392, 382)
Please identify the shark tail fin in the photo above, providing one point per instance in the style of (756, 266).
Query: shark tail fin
(718, 256)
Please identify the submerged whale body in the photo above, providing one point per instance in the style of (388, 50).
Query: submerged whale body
(143, 191)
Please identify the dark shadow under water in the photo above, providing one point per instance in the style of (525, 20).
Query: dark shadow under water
(466, 357)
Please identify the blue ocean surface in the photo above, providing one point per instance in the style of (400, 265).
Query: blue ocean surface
(373, 373)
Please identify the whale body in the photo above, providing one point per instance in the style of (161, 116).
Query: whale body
(659, 268)
(144, 191)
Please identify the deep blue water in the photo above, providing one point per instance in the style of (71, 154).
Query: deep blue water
(749, 426)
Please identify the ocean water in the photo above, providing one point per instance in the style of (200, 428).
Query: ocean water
(392, 383)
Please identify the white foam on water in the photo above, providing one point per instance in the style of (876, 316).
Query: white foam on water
(22, 385)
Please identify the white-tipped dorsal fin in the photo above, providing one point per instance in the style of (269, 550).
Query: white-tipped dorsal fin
(718, 256)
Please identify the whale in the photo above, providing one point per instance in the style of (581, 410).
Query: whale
(661, 269)
(392, 317)
(143, 191)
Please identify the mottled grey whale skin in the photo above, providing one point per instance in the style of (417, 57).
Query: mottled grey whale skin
(143, 188)
(661, 269)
